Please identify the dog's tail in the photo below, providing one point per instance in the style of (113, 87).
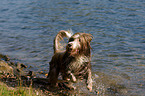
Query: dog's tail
(59, 37)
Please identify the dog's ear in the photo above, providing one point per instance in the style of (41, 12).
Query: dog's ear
(85, 40)
(88, 37)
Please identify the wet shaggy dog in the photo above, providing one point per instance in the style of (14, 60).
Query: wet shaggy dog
(73, 63)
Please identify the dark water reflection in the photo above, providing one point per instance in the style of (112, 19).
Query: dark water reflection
(28, 27)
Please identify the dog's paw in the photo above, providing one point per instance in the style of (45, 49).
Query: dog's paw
(89, 88)
(72, 87)
(89, 85)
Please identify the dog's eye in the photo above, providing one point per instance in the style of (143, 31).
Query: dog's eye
(79, 40)
(71, 39)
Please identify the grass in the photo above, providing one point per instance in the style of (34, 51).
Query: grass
(17, 91)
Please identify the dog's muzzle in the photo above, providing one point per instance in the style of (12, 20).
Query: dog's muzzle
(69, 47)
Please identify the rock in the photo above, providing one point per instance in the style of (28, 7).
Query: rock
(4, 57)
(10, 68)
(5, 68)
(18, 69)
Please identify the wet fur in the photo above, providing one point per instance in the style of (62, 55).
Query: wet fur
(74, 62)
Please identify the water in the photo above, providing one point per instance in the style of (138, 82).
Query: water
(28, 27)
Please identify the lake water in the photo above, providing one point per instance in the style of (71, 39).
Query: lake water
(28, 27)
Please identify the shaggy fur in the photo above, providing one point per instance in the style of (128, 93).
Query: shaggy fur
(74, 62)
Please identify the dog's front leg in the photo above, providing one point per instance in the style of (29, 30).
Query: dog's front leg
(89, 80)
(53, 75)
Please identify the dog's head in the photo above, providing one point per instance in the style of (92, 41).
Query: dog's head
(79, 44)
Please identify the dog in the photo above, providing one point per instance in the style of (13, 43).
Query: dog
(73, 63)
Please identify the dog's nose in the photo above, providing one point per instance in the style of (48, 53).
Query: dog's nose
(69, 45)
